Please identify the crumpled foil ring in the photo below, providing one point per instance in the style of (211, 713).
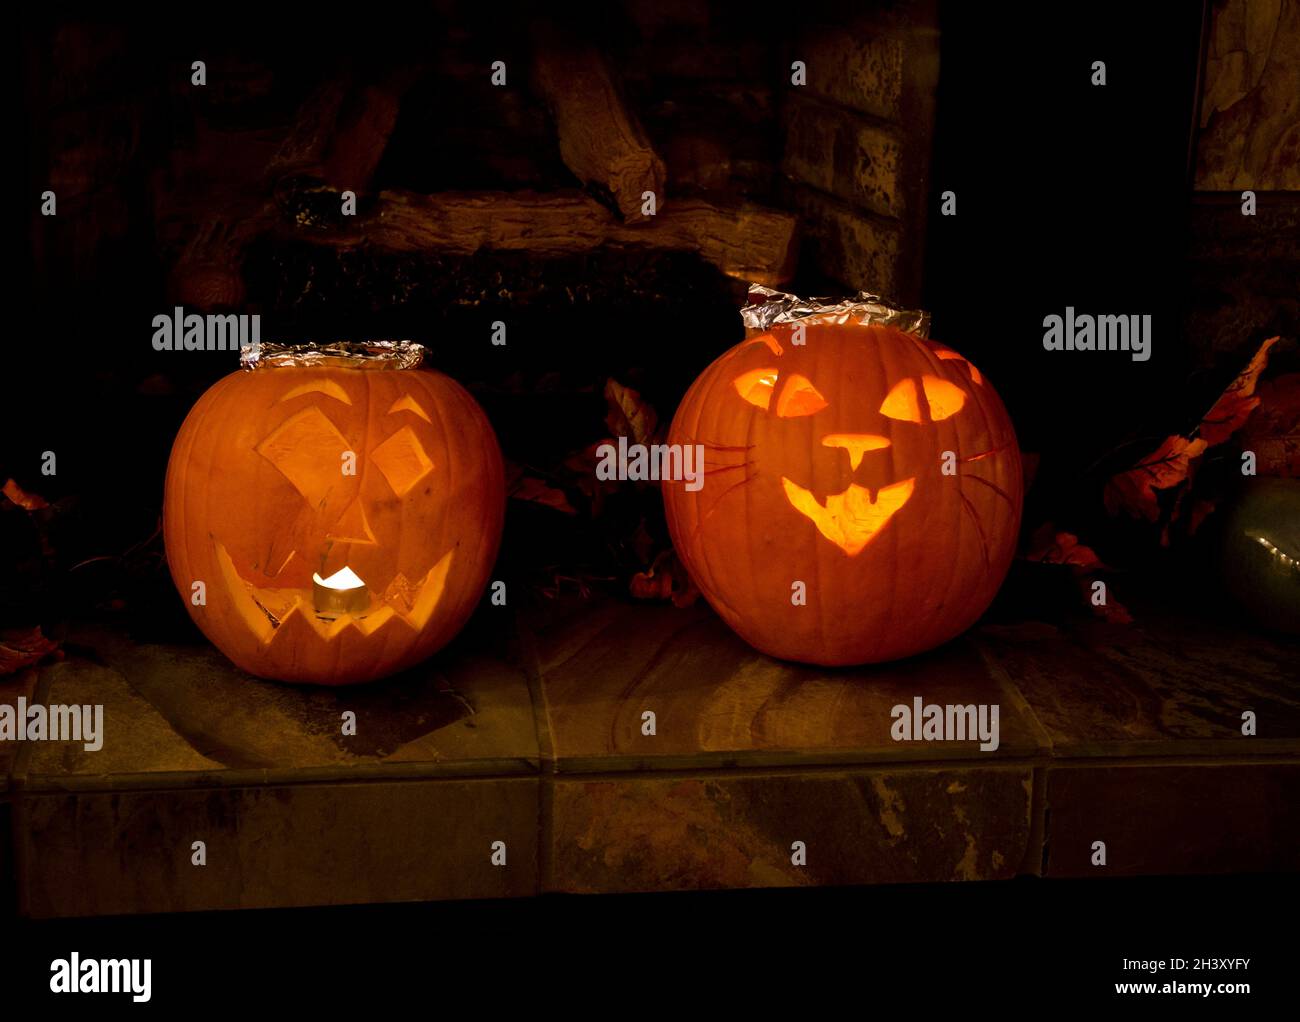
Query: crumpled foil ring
(768, 307)
(349, 354)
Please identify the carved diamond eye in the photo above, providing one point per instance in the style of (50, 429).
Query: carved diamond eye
(402, 460)
(306, 449)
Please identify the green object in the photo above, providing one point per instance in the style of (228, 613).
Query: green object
(1261, 555)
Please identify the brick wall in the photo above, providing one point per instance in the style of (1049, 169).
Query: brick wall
(857, 145)
(1244, 268)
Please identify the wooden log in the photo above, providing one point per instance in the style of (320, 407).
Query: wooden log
(338, 136)
(209, 272)
(744, 240)
(203, 217)
(307, 143)
(361, 132)
(213, 225)
(601, 139)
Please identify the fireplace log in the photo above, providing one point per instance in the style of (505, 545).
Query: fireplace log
(338, 135)
(209, 272)
(744, 240)
(361, 133)
(601, 139)
(341, 130)
(308, 142)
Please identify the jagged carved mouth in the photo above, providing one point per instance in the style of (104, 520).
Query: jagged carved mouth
(272, 613)
(851, 518)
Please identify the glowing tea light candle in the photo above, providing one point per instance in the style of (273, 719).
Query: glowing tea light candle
(341, 593)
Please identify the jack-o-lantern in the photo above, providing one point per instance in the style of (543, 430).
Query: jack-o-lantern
(861, 495)
(331, 516)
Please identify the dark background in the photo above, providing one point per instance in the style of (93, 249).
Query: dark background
(1023, 948)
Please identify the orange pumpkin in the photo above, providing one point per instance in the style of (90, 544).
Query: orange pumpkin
(285, 475)
(878, 469)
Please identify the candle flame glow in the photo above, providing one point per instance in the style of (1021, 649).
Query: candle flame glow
(344, 579)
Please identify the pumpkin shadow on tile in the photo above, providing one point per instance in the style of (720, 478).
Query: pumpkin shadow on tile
(244, 721)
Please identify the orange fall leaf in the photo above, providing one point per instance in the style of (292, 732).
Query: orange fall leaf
(1236, 403)
(1133, 490)
(667, 579)
(23, 648)
(1050, 545)
(1054, 547)
(629, 414)
(25, 500)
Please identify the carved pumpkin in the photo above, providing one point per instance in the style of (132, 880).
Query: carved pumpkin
(287, 478)
(825, 465)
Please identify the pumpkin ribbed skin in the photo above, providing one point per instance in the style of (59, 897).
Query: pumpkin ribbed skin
(890, 568)
(257, 501)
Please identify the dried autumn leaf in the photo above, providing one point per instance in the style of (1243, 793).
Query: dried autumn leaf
(629, 414)
(651, 585)
(25, 500)
(532, 489)
(1236, 403)
(1273, 432)
(666, 579)
(582, 466)
(1112, 610)
(21, 649)
(1174, 462)
(1051, 546)
(583, 463)
(1134, 489)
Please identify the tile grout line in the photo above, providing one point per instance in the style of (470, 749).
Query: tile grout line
(531, 664)
(1034, 861)
(19, 824)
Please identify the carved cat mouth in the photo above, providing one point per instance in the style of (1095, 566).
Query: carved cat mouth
(851, 518)
(273, 612)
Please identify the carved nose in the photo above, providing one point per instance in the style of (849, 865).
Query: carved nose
(352, 526)
(857, 444)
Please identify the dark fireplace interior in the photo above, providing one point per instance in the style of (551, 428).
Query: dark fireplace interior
(227, 197)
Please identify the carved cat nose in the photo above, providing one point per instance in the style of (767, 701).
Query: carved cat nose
(857, 444)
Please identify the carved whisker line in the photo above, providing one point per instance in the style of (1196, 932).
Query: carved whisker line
(725, 468)
(718, 503)
(992, 486)
(970, 510)
(725, 447)
(984, 454)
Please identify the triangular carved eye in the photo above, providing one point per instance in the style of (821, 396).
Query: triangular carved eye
(757, 387)
(903, 402)
(945, 399)
(799, 397)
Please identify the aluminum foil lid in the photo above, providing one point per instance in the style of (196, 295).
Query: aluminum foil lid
(343, 354)
(768, 307)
